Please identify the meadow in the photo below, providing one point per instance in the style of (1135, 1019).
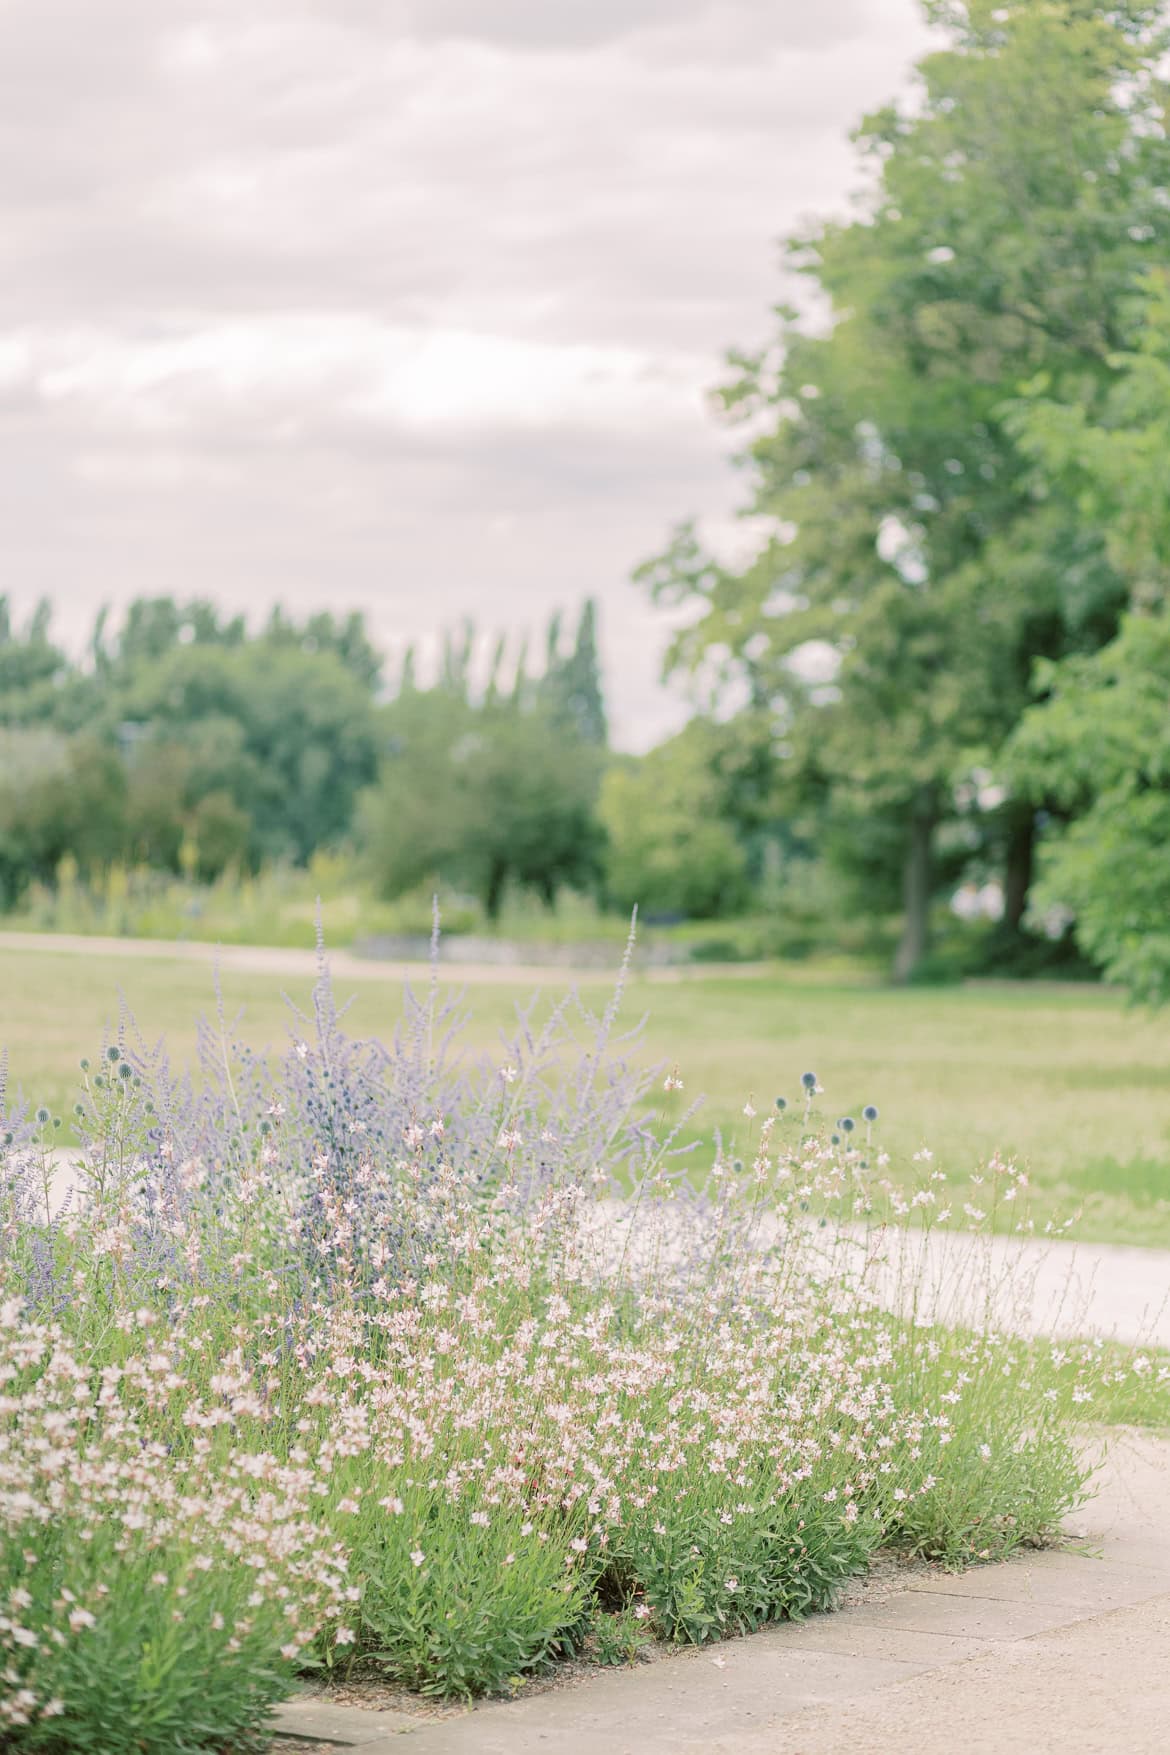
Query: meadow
(1066, 1079)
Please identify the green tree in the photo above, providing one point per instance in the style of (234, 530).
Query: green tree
(1096, 746)
(572, 683)
(30, 665)
(57, 795)
(669, 851)
(1099, 750)
(288, 735)
(481, 795)
(1009, 213)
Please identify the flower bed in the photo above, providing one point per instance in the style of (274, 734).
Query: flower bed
(368, 1358)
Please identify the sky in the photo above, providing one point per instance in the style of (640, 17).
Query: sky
(409, 306)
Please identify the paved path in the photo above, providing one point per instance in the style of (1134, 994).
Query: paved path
(1058, 1651)
(286, 960)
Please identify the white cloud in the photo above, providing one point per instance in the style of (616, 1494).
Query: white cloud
(409, 304)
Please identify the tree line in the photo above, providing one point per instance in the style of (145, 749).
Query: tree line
(956, 453)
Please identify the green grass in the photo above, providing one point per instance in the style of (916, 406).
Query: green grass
(1067, 1079)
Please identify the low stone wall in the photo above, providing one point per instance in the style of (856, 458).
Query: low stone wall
(466, 948)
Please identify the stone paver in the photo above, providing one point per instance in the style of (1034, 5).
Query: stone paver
(1097, 1687)
(345, 1726)
(1064, 1651)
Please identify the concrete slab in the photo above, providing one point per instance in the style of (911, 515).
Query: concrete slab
(680, 1704)
(977, 1618)
(1074, 1580)
(852, 1634)
(1098, 1687)
(347, 1727)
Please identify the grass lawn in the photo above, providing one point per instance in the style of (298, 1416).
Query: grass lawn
(1068, 1080)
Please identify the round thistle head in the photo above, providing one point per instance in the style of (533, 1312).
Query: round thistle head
(847, 1124)
(42, 1116)
(125, 1071)
(113, 1053)
(869, 1113)
(809, 1081)
(781, 1104)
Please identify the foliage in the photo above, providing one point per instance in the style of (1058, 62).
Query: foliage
(1099, 746)
(669, 851)
(1094, 747)
(192, 745)
(481, 795)
(1008, 215)
(352, 1357)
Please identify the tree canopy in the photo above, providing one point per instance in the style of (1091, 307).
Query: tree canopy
(1009, 214)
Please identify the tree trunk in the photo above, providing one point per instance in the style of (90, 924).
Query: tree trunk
(916, 893)
(1017, 870)
(496, 878)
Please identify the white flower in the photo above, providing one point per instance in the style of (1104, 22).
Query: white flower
(417, 1557)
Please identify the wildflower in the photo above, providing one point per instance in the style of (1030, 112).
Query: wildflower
(869, 1113)
(672, 1082)
(809, 1081)
(749, 1109)
(417, 1557)
(344, 1636)
(731, 1584)
(509, 1074)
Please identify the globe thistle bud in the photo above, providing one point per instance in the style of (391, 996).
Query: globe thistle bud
(781, 1104)
(869, 1113)
(113, 1053)
(809, 1081)
(847, 1124)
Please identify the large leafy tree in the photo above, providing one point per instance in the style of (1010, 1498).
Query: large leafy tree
(1009, 212)
(1096, 746)
(286, 734)
(481, 794)
(671, 848)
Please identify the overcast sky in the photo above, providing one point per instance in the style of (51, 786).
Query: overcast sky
(404, 305)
